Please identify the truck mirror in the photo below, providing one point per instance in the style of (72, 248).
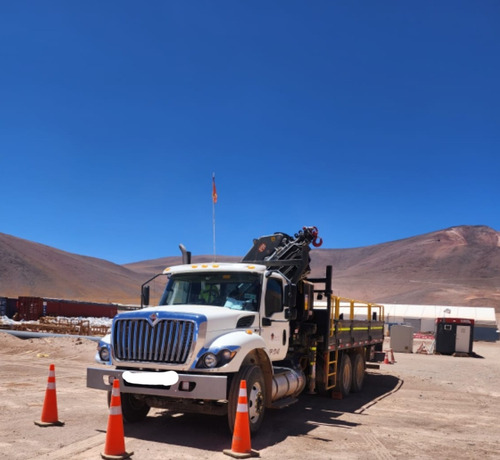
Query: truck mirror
(290, 295)
(266, 322)
(144, 295)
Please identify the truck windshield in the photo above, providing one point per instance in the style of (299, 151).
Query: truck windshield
(239, 291)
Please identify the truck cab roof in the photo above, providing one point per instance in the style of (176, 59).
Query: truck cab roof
(215, 266)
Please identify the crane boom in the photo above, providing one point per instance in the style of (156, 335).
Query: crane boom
(284, 253)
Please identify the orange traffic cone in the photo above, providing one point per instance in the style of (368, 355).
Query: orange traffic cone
(386, 358)
(49, 411)
(241, 446)
(115, 438)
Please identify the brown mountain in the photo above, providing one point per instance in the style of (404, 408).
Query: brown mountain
(456, 266)
(33, 269)
(150, 267)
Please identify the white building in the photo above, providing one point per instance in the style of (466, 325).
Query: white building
(423, 318)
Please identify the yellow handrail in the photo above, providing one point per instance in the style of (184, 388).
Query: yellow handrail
(352, 304)
(336, 301)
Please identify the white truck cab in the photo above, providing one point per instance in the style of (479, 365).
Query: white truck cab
(213, 320)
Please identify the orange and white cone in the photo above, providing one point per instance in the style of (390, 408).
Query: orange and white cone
(241, 445)
(386, 358)
(114, 448)
(49, 410)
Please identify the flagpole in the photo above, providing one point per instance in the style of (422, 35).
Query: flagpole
(213, 225)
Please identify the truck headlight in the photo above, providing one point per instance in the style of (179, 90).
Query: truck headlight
(226, 356)
(211, 360)
(104, 354)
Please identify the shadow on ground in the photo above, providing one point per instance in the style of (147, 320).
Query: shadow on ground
(211, 432)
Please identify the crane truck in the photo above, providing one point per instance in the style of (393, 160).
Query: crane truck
(261, 320)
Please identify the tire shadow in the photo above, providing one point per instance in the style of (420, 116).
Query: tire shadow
(211, 432)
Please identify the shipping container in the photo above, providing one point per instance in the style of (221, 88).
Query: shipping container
(70, 308)
(33, 308)
(30, 308)
(11, 306)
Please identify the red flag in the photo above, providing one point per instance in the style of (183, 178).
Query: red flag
(214, 190)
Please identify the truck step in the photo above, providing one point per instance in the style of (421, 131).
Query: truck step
(285, 402)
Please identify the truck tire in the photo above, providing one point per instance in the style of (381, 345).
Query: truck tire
(344, 375)
(358, 372)
(133, 409)
(256, 394)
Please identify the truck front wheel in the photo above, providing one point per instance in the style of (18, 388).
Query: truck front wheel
(256, 395)
(133, 409)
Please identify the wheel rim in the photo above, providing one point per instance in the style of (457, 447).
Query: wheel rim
(255, 402)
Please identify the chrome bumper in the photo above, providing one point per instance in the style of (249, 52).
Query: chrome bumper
(189, 386)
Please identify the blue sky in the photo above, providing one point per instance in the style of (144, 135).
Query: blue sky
(372, 120)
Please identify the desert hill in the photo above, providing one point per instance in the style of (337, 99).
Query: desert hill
(150, 267)
(455, 266)
(33, 269)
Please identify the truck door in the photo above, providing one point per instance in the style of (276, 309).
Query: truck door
(274, 326)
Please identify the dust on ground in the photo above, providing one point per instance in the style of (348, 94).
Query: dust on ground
(422, 406)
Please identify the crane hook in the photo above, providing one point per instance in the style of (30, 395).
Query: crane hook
(317, 242)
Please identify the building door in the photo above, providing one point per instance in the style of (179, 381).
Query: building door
(462, 343)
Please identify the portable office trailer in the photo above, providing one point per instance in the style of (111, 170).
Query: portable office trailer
(454, 335)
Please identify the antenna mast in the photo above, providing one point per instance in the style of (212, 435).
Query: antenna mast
(214, 200)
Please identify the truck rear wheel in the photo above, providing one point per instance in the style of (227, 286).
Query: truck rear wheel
(133, 409)
(358, 372)
(256, 395)
(344, 375)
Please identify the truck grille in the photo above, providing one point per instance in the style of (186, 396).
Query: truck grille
(168, 341)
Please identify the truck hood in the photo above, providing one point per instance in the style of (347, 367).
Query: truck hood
(218, 319)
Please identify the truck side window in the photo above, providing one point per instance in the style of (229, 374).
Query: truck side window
(274, 296)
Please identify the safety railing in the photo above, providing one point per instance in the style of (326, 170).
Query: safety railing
(348, 309)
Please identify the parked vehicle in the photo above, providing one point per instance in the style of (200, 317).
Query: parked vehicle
(220, 323)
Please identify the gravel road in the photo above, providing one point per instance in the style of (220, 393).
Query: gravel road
(423, 406)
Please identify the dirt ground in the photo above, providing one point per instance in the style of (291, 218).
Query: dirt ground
(423, 406)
